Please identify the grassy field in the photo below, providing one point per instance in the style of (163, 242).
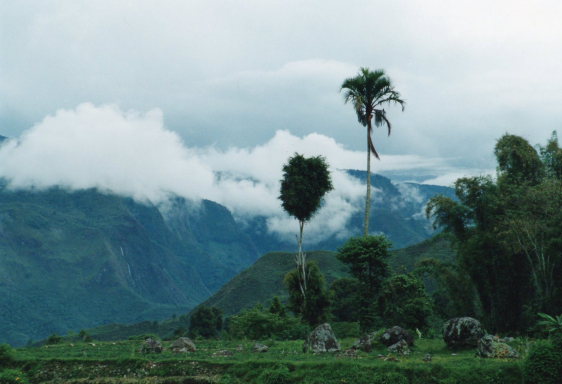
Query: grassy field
(121, 362)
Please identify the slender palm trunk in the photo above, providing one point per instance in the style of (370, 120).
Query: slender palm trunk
(368, 198)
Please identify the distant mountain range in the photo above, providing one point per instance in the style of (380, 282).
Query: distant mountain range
(78, 259)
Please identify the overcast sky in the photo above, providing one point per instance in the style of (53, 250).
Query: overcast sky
(233, 73)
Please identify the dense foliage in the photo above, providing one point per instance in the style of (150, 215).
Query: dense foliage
(367, 258)
(507, 233)
(314, 307)
(206, 322)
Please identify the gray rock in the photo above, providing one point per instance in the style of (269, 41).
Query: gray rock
(365, 343)
(491, 347)
(427, 358)
(260, 347)
(393, 335)
(322, 339)
(151, 346)
(462, 332)
(400, 348)
(183, 344)
(223, 352)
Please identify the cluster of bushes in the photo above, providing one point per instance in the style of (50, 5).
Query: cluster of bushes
(8, 373)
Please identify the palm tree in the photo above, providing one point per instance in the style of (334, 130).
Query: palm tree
(368, 92)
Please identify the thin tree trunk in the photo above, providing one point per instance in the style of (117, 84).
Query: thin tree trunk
(368, 198)
(301, 262)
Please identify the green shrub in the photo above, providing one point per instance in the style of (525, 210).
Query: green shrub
(13, 376)
(205, 322)
(344, 329)
(6, 355)
(144, 336)
(54, 339)
(279, 375)
(543, 365)
(257, 324)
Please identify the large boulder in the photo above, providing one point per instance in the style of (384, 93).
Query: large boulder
(491, 347)
(400, 348)
(393, 335)
(322, 339)
(183, 344)
(462, 332)
(151, 346)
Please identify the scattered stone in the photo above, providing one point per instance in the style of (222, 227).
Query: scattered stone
(400, 348)
(322, 339)
(351, 352)
(223, 352)
(507, 339)
(150, 346)
(393, 335)
(240, 347)
(391, 358)
(427, 358)
(260, 347)
(491, 347)
(365, 343)
(183, 345)
(462, 332)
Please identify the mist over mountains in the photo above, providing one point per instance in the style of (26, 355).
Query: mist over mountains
(106, 216)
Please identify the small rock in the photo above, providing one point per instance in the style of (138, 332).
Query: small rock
(322, 339)
(183, 345)
(393, 335)
(240, 347)
(351, 352)
(223, 352)
(391, 358)
(260, 348)
(365, 343)
(400, 348)
(150, 346)
(490, 347)
(427, 358)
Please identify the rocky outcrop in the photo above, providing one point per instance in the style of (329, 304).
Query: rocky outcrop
(322, 339)
(462, 332)
(393, 335)
(182, 345)
(492, 347)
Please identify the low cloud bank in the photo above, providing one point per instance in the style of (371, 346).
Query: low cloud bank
(133, 154)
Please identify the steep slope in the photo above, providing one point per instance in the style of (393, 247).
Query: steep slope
(71, 260)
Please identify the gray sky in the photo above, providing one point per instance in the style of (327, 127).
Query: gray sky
(233, 73)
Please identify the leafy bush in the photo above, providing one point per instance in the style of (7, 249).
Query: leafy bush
(543, 365)
(13, 376)
(403, 301)
(205, 322)
(257, 324)
(344, 329)
(144, 336)
(54, 339)
(6, 355)
(279, 375)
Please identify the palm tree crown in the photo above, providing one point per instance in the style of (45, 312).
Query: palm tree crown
(368, 91)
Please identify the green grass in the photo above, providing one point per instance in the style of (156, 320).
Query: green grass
(114, 361)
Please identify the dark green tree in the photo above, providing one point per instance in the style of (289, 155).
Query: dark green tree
(314, 307)
(367, 260)
(304, 184)
(369, 92)
(277, 307)
(508, 230)
(206, 322)
(403, 301)
(344, 295)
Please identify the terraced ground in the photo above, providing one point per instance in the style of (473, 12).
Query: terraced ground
(218, 361)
